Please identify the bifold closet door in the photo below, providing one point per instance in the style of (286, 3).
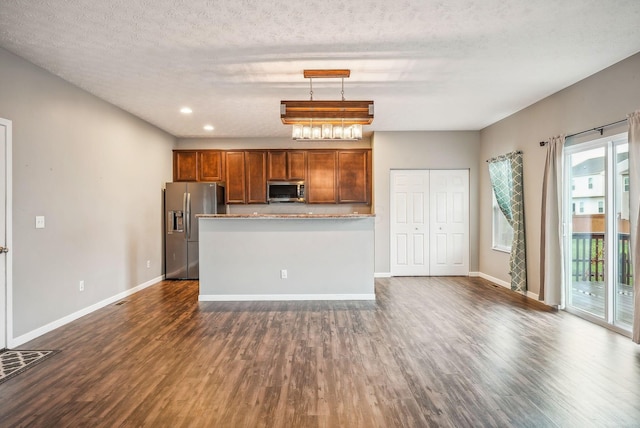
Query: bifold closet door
(409, 227)
(449, 222)
(429, 222)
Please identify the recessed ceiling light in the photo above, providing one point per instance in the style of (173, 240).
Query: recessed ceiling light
(208, 127)
(186, 110)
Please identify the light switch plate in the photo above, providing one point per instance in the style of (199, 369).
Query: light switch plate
(39, 222)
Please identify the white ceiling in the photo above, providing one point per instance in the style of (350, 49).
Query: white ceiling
(427, 64)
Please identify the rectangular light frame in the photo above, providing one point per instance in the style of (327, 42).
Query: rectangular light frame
(335, 112)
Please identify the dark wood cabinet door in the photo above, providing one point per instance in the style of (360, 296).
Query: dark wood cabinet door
(235, 178)
(256, 170)
(185, 166)
(321, 177)
(286, 164)
(277, 165)
(211, 164)
(353, 173)
(296, 165)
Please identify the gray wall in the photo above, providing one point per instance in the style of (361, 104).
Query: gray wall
(327, 257)
(422, 150)
(268, 143)
(96, 173)
(605, 97)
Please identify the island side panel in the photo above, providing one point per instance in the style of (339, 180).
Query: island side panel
(325, 258)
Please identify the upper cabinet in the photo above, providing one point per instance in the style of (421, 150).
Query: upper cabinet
(198, 165)
(211, 165)
(256, 176)
(185, 165)
(246, 177)
(354, 174)
(235, 178)
(331, 176)
(321, 176)
(286, 165)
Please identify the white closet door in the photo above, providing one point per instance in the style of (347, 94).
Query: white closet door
(409, 222)
(449, 222)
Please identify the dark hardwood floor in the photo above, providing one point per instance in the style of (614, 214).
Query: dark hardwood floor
(450, 352)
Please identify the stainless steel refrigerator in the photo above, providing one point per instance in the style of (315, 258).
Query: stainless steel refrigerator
(182, 202)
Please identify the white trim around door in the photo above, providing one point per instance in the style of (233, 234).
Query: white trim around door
(6, 305)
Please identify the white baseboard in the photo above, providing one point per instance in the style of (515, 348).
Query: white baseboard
(388, 274)
(281, 297)
(20, 340)
(382, 275)
(506, 285)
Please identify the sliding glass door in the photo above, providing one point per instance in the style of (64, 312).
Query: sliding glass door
(597, 262)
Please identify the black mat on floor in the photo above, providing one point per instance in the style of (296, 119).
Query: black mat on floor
(12, 363)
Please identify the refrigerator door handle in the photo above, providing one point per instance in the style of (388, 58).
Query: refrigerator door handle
(185, 216)
(188, 215)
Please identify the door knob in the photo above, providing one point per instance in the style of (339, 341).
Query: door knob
(4, 250)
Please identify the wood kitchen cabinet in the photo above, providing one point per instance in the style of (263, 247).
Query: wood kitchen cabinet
(331, 176)
(246, 177)
(256, 177)
(286, 164)
(235, 177)
(321, 176)
(198, 165)
(354, 172)
(185, 165)
(211, 165)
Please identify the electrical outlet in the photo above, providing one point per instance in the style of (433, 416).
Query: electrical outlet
(39, 222)
(81, 286)
(148, 264)
(283, 274)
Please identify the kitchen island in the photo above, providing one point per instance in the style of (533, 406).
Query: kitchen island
(286, 257)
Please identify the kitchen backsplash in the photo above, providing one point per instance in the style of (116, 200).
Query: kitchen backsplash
(298, 209)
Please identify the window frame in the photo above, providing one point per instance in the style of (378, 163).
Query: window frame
(495, 245)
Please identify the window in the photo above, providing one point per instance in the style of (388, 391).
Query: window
(625, 183)
(581, 207)
(600, 207)
(590, 183)
(502, 230)
(573, 185)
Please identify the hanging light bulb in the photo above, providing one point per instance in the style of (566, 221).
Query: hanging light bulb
(297, 132)
(357, 131)
(327, 131)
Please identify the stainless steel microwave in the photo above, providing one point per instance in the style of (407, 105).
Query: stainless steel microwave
(285, 191)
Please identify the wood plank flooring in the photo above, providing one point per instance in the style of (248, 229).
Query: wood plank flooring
(429, 352)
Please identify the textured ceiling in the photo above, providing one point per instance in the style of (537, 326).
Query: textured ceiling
(427, 64)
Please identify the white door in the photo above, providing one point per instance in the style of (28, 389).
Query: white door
(5, 159)
(449, 225)
(409, 223)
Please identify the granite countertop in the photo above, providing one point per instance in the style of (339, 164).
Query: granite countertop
(279, 216)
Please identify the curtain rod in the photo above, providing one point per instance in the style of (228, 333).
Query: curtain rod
(597, 128)
(519, 152)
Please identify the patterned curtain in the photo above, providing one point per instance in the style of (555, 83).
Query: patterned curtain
(506, 179)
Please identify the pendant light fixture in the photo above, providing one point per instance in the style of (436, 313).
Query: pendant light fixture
(326, 120)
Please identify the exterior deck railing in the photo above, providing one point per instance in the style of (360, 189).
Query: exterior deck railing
(589, 256)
